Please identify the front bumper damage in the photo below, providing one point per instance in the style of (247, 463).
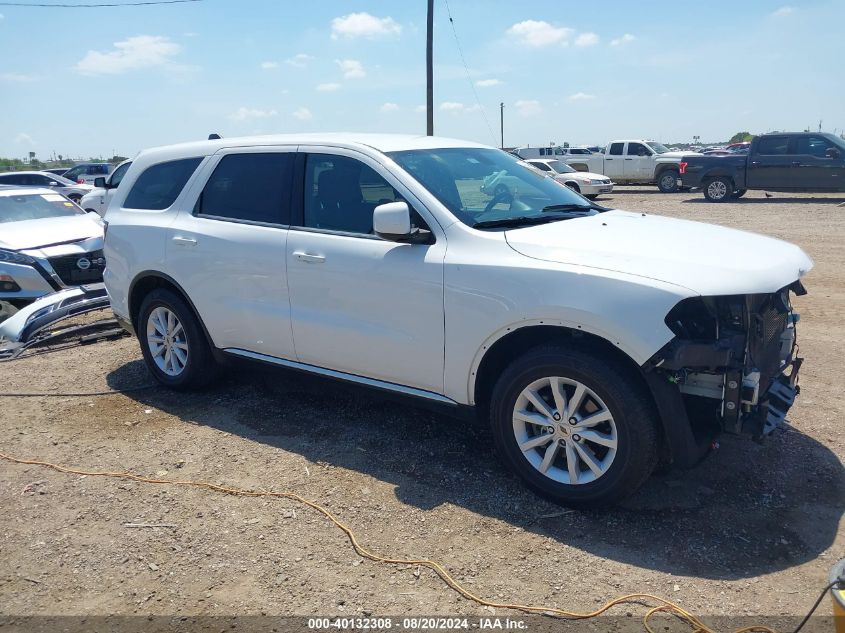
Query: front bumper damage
(40, 321)
(734, 360)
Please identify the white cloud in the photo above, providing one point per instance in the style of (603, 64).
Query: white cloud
(328, 87)
(389, 107)
(249, 114)
(528, 107)
(24, 139)
(352, 69)
(586, 39)
(456, 107)
(300, 60)
(539, 33)
(625, 39)
(487, 83)
(140, 51)
(269, 65)
(581, 96)
(420, 108)
(17, 78)
(303, 114)
(190, 34)
(783, 12)
(364, 25)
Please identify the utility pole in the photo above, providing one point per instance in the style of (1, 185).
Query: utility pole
(429, 70)
(502, 123)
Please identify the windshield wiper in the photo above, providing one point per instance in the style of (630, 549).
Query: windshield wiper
(568, 207)
(517, 221)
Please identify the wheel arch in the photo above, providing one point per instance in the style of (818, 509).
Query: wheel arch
(678, 442)
(149, 280)
(662, 167)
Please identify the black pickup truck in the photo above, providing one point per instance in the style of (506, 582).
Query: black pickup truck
(798, 162)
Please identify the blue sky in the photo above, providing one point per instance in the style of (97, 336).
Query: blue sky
(93, 81)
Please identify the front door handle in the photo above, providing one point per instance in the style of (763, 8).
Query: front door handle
(309, 257)
(184, 241)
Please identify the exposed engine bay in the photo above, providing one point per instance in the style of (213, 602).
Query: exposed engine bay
(734, 359)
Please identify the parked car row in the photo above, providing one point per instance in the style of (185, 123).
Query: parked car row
(59, 184)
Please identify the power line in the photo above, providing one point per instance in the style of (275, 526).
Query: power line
(466, 68)
(95, 5)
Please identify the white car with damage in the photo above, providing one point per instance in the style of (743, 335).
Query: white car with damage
(597, 342)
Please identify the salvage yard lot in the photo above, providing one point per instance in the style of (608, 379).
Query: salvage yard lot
(752, 530)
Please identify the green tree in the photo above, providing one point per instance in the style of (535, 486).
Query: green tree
(741, 137)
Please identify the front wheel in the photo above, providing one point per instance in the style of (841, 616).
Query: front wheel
(574, 427)
(718, 189)
(592, 196)
(667, 181)
(174, 346)
(574, 186)
(75, 198)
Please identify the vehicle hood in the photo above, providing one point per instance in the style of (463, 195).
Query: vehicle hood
(40, 233)
(704, 258)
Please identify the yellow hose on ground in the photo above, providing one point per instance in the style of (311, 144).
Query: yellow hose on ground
(663, 605)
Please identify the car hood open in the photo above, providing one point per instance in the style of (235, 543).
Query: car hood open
(32, 234)
(704, 258)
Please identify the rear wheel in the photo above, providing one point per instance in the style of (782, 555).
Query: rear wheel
(718, 189)
(174, 346)
(574, 427)
(667, 181)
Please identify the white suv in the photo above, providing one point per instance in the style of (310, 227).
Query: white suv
(598, 342)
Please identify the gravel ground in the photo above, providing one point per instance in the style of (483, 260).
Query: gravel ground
(752, 531)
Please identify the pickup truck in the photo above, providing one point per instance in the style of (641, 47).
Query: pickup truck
(633, 162)
(792, 162)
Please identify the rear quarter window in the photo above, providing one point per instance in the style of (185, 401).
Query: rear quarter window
(773, 146)
(159, 185)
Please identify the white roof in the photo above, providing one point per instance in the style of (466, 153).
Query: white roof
(379, 142)
(17, 190)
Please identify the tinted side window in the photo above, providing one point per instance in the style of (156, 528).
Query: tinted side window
(118, 174)
(773, 146)
(542, 166)
(75, 172)
(251, 187)
(638, 149)
(616, 149)
(812, 145)
(159, 186)
(341, 193)
(12, 179)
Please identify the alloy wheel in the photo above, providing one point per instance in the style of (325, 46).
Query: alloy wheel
(167, 342)
(565, 430)
(717, 189)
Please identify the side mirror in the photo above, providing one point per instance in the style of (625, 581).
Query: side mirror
(392, 221)
(832, 152)
(100, 182)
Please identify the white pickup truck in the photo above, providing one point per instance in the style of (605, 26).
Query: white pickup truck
(633, 162)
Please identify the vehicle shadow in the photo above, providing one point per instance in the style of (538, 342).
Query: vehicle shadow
(746, 511)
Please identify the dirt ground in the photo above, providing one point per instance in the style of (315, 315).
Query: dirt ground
(751, 531)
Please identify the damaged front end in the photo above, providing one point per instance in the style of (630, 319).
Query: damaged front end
(734, 360)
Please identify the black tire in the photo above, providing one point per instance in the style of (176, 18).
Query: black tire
(719, 189)
(200, 368)
(739, 193)
(75, 198)
(6, 310)
(633, 415)
(667, 181)
(592, 196)
(574, 186)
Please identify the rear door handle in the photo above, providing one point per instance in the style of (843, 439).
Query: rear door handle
(629, 159)
(796, 163)
(184, 241)
(310, 258)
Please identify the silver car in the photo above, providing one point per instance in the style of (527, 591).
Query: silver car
(59, 184)
(47, 243)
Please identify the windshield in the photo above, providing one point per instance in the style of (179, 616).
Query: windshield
(21, 207)
(481, 185)
(560, 167)
(659, 148)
